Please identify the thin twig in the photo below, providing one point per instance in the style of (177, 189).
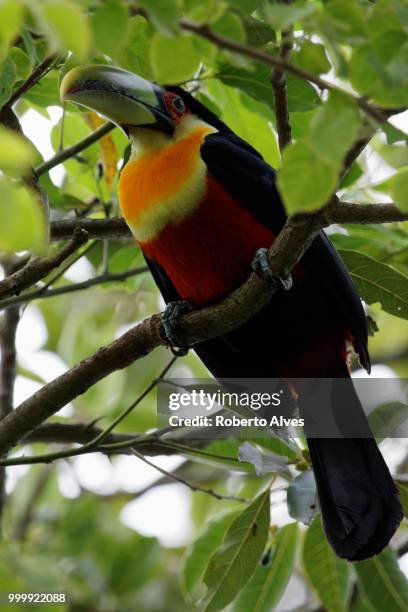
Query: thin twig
(280, 92)
(32, 79)
(98, 439)
(94, 444)
(73, 150)
(38, 267)
(110, 277)
(377, 113)
(195, 488)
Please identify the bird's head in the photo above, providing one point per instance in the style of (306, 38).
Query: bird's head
(126, 99)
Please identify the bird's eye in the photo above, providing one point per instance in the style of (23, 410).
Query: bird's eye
(178, 105)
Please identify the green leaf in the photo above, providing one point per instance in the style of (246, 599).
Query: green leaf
(312, 58)
(243, 116)
(247, 6)
(266, 587)
(282, 16)
(387, 418)
(329, 575)
(11, 16)
(263, 462)
(204, 12)
(65, 26)
(383, 583)
(379, 69)
(175, 60)
(403, 492)
(377, 282)
(344, 21)
(135, 53)
(399, 188)
(334, 129)
(256, 83)
(233, 564)
(164, 14)
(200, 552)
(7, 78)
(302, 497)
(109, 25)
(22, 222)
(305, 180)
(395, 156)
(230, 26)
(22, 63)
(311, 166)
(258, 33)
(16, 155)
(352, 175)
(45, 92)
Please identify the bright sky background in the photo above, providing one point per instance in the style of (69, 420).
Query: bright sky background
(165, 511)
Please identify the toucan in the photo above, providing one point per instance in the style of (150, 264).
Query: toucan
(200, 202)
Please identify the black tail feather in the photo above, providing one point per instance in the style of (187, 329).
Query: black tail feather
(359, 501)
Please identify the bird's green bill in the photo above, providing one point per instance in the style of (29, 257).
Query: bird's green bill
(121, 96)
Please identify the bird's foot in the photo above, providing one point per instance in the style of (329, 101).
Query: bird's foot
(260, 265)
(170, 319)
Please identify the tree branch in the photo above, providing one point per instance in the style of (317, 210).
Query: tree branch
(33, 79)
(377, 113)
(194, 327)
(73, 150)
(116, 229)
(113, 228)
(38, 267)
(8, 356)
(108, 277)
(280, 92)
(348, 212)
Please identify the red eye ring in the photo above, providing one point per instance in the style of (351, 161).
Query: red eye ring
(178, 104)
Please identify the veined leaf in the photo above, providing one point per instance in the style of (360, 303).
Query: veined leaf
(16, 155)
(378, 282)
(22, 225)
(383, 583)
(266, 587)
(201, 550)
(233, 564)
(386, 419)
(11, 15)
(65, 25)
(109, 24)
(329, 575)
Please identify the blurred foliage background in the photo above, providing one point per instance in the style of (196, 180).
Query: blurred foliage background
(73, 525)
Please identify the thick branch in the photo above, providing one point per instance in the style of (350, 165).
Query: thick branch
(73, 150)
(8, 359)
(38, 267)
(113, 228)
(194, 327)
(348, 212)
(116, 228)
(144, 337)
